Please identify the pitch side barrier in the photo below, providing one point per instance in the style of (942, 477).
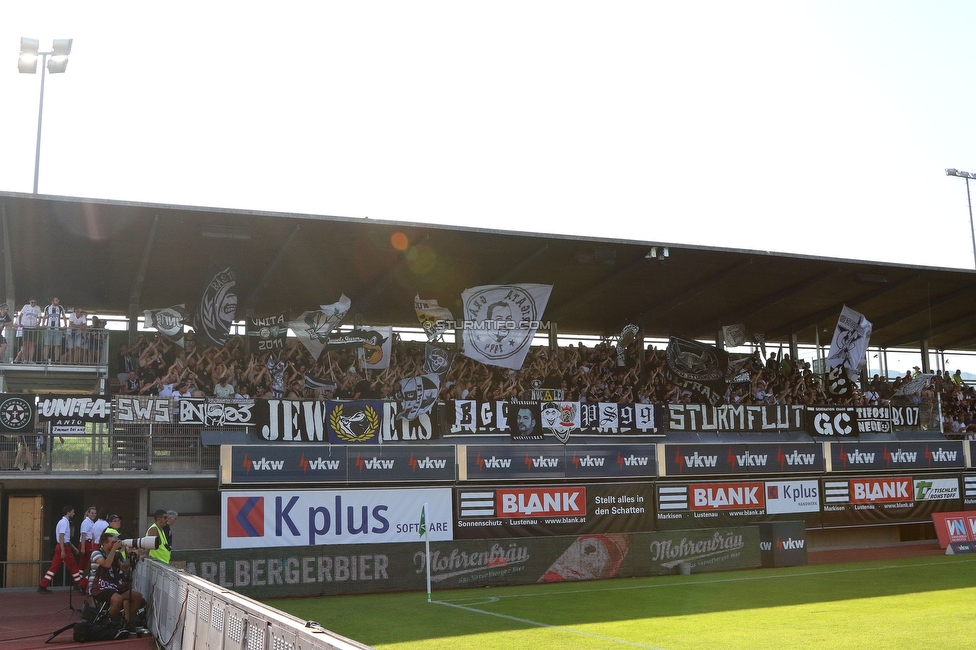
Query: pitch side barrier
(187, 612)
(273, 572)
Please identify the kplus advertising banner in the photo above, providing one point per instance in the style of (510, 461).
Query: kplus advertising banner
(261, 518)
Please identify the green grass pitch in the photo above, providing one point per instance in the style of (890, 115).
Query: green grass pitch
(914, 603)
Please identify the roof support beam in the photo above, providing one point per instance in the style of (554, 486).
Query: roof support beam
(581, 299)
(135, 293)
(672, 303)
(513, 272)
(815, 318)
(262, 284)
(362, 303)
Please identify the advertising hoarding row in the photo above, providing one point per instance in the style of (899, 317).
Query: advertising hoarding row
(369, 568)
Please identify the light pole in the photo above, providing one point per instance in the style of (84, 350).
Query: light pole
(967, 176)
(27, 64)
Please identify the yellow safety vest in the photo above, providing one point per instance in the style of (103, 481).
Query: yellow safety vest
(162, 553)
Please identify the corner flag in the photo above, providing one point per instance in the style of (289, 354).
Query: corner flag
(423, 518)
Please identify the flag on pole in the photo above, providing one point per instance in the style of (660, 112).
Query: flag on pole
(426, 537)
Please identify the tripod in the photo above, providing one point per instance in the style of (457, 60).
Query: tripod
(64, 579)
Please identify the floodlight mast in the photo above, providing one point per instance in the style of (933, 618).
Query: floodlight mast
(27, 64)
(969, 201)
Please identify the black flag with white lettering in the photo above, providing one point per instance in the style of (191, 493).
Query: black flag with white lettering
(217, 309)
(267, 334)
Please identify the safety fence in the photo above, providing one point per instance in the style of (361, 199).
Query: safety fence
(187, 612)
(57, 346)
(105, 448)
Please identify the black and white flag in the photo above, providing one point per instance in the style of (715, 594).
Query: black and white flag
(627, 336)
(699, 368)
(500, 322)
(217, 309)
(433, 318)
(312, 328)
(416, 396)
(735, 335)
(438, 359)
(168, 322)
(267, 334)
(850, 343)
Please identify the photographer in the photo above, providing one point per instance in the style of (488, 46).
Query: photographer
(111, 584)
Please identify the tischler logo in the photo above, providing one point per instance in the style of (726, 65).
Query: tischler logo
(245, 516)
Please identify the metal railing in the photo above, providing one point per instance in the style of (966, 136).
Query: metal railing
(153, 448)
(57, 346)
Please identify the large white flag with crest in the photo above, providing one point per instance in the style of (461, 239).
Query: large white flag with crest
(312, 328)
(500, 321)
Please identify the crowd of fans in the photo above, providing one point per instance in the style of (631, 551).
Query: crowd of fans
(155, 366)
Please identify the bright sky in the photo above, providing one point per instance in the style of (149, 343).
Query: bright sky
(819, 128)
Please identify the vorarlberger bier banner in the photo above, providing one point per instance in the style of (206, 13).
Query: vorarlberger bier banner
(278, 572)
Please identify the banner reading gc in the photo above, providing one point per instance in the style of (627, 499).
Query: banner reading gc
(258, 519)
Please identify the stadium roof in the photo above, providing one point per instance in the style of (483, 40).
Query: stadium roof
(110, 257)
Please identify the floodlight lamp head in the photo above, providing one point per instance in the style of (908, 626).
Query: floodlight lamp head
(27, 64)
(952, 172)
(57, 64)
(62, 46)
(29, 45)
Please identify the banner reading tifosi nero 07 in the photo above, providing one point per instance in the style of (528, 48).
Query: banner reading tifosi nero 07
(742, 458)
(262, 518)
(553, 510)
(374, 568)
(864, 501)
(896, 455)
(710, 504)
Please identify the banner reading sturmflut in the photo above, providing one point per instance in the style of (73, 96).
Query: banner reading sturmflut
(500, 321)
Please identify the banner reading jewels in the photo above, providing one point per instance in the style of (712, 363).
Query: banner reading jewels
(374, 568)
